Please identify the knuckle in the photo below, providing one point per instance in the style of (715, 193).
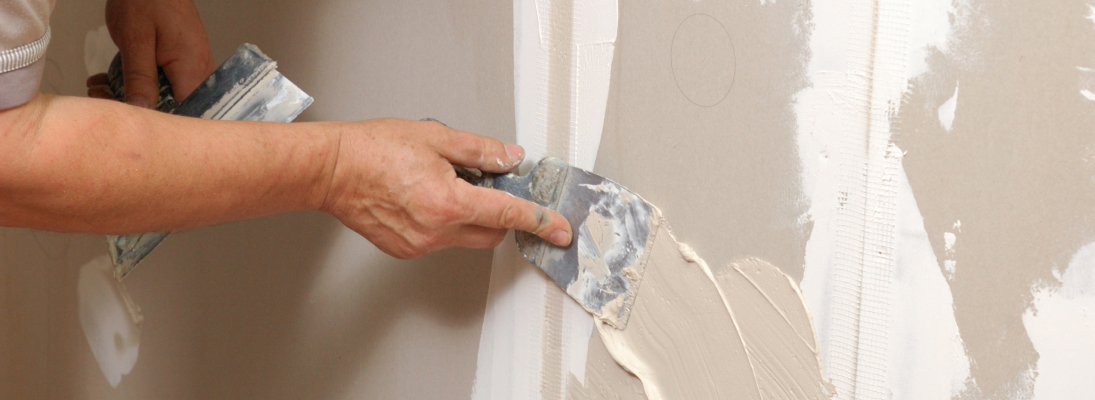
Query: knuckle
(401, 251)
(437, 126)
(511, 216)
(205, 57)
(486, 146)
(449, 208)
(409, 251)
(434, 128)
(431, 240)
(136, 77)
(467, 147)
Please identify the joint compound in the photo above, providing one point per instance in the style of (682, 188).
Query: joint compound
(696, 332)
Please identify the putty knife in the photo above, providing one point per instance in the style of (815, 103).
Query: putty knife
(246, 87)
(614, 231)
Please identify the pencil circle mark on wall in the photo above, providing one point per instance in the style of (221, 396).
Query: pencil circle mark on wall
(703, 60)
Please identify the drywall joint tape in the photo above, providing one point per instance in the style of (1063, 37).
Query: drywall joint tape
(532, 341)
(866, 220)
(556, 26)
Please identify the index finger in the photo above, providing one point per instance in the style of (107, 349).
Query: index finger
(494, 208)
(475, 151)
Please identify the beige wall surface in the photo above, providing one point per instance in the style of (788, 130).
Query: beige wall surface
(701, 123)
(295, 305)
(994, 134)
(1014, 170)
(1006, 193)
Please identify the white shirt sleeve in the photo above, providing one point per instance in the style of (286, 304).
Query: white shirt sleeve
(24, 37)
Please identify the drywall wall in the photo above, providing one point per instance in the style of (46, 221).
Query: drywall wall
(534, 337)
(714, 150)
(883, 309)
(875, 150)
(1010, 182)
(291, 306)
(652, 131)
(700, 122)
(978, 184)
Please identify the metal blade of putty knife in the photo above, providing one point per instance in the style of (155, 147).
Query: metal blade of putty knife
(246, 87)
(614, 231)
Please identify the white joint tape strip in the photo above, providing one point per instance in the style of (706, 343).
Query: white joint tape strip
(864, 222)
(562, 65)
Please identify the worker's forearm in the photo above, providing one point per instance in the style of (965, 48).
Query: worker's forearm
(94, 166)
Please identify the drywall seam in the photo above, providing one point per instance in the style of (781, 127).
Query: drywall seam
(552, 370)
(865, 222)
(883, 310)
(557, 24)
(534, 336)
(588, 58)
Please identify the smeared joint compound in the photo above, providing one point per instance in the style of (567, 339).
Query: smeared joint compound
(740, 331)
(110, 320)
(947, 109)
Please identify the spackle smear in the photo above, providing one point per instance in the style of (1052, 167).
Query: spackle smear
(110, 320)
(1087, 82)
(740, 331)
(1061, 325)
(949, 263)
(946, 110)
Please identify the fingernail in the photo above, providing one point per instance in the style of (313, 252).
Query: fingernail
(560, 238)
(139, 101)
(515, 153)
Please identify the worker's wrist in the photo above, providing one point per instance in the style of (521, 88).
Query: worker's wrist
(331, 138)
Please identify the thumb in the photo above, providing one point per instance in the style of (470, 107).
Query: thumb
(187, 73)
(142, 83)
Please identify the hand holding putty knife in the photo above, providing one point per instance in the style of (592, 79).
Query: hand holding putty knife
(613, 231)
(613, 227)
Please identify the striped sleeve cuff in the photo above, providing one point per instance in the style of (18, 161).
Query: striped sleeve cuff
(22, 56)
(21, 71)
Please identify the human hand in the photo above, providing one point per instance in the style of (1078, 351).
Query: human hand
(393, 183)
(151, 33)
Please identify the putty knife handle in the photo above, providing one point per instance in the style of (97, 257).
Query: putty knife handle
(514, 184)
